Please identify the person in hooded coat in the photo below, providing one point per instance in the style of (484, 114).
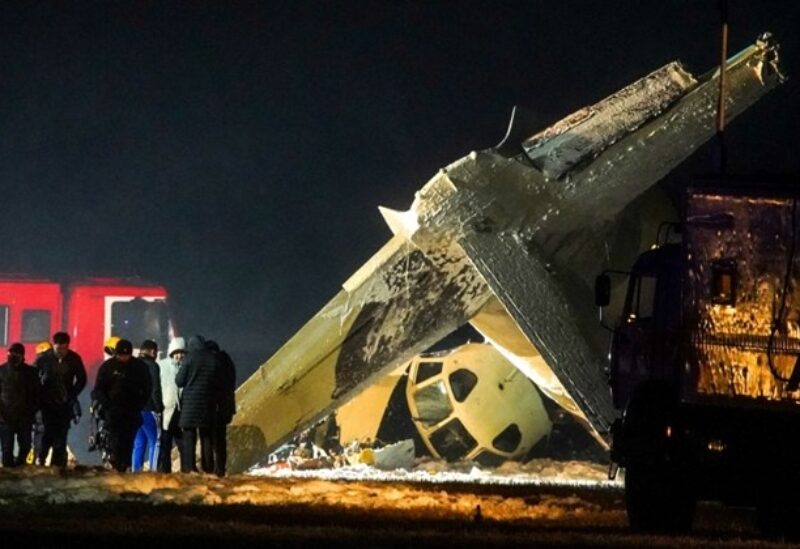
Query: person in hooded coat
(198, 377)
(19, 401)
(225, 407)
(171, 431)
(120, 393)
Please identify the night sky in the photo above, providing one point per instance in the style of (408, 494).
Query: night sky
(237, 152)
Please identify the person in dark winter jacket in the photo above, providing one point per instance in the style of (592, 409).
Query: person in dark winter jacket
(121, 391)
(62, 377)
(225, 407)
(19, 401)
(147, 437)
(197, 377)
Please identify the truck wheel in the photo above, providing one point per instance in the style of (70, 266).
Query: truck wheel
(657, 500)
(778, 516)
(658, 487)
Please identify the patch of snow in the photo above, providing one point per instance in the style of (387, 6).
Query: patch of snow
(539, 472)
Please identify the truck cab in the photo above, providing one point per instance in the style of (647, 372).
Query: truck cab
(646, 342)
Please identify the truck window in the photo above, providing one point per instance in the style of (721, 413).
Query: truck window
(644, 295)
(4, 325)
(137, 320)
(35, 325)
(723, 282)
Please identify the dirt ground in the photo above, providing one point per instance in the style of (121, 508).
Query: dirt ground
(49, 508)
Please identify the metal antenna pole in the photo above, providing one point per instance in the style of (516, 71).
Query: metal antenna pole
(723, 11)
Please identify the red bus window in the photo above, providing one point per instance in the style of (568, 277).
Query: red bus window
(138, 319)
(4, 325)
(35, 325)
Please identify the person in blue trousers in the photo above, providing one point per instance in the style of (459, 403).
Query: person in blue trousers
(147, 441)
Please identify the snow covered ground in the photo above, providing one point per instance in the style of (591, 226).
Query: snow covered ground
(544, 501)
(359, 485)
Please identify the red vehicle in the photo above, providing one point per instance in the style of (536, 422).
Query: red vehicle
(90, 311)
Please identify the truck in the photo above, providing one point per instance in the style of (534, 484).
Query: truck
(90, 310)
(704, 363)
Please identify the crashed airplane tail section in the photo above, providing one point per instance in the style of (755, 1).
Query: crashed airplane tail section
(525, 231)
(400, 303)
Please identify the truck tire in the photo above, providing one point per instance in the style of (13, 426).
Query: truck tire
(658, 486)
(778, 515)
(657, 500)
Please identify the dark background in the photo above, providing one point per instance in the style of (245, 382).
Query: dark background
(236, 152)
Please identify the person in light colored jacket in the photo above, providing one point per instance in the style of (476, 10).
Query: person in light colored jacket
(171, 432)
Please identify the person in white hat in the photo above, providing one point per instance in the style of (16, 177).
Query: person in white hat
(170, 431)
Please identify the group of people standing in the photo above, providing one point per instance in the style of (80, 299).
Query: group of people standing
(45, 394)
(141, 407)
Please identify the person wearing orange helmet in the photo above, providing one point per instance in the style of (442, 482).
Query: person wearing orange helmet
(43, 349)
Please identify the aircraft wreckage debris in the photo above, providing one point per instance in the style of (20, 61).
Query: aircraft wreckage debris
(509, 239)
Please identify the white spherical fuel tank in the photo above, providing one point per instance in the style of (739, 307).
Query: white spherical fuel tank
(471, 403)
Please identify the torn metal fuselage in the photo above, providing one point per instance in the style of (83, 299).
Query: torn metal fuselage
(509, 242)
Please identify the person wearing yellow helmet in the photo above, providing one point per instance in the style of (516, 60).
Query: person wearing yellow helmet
(99, 435)
(109, 347)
